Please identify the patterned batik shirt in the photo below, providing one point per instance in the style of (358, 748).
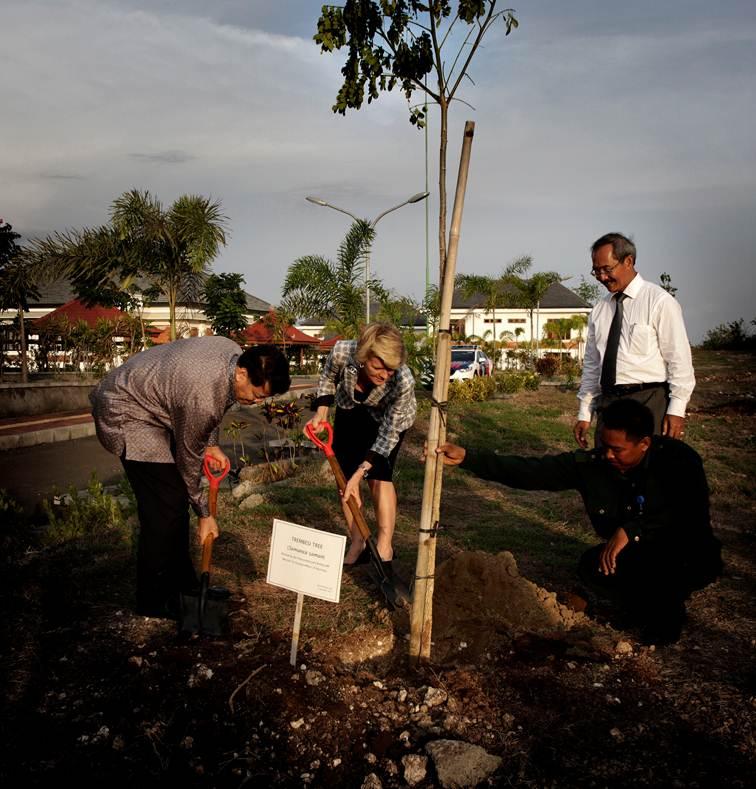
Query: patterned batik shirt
(392, 404)
(165, 405)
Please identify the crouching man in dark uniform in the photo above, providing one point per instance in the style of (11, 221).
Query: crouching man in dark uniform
(160, 412)
(646, 496)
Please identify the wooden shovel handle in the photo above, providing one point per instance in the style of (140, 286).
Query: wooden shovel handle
(359, 518)
(212, 503)
(207, 553)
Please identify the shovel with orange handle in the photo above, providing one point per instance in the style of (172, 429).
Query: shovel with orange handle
(392, 587)
(206, 611)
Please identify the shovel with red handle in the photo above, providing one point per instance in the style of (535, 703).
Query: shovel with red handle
(206, 611)
(393, 588)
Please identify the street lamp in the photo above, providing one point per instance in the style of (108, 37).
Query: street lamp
(414, 199)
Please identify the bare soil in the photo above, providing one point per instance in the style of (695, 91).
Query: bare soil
(97, 695)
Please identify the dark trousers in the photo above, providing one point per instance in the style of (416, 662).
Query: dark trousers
(164, 564)
(653, 580)
(656, 400)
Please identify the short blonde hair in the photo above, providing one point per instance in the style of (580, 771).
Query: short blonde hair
(384, 341)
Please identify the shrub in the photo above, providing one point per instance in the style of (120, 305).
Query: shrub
(483, 387)
(733, 336)
(96, 517)
(513, 381)
(460, 392)
(547, 366)
(476, 390)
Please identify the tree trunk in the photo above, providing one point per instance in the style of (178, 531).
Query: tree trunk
(494, 339)
(422, 596)
(444, 112)
(22, 335)
(172, 297)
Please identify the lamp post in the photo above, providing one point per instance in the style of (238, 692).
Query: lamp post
(414, 199)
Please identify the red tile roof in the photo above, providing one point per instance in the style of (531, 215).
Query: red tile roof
(75, 311)
(327, 345)
(260, 333)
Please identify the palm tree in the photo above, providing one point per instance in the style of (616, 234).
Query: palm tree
(497, 292)
(17, 285)
(170, 248)
(530, 291)
(316, 286)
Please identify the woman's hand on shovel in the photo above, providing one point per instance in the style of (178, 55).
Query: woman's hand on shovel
(353, 488)
(207, 526)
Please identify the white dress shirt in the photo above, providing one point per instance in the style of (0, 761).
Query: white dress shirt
(653, 346)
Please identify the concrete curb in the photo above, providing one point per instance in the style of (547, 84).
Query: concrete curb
(46, 436)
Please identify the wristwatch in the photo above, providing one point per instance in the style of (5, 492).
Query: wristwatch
(365, 468)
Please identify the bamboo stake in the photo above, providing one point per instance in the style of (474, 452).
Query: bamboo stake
(421, 620)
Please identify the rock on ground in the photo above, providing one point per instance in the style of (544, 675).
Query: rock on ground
(255, 500)
(415, 768)
(459, 764)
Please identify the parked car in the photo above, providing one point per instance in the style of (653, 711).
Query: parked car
(467, 361)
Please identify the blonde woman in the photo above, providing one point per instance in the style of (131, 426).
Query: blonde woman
(374, 394)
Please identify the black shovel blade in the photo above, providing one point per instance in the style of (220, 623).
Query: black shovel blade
(205, 612)
(394, 590)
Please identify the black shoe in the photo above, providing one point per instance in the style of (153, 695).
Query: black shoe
(661, 633)
(170, 609)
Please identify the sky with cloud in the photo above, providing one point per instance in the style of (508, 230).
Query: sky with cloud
(591, 117)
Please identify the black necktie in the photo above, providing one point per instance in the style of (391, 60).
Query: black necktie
(609, 365)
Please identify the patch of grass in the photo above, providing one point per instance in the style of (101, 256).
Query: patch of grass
(95, 517)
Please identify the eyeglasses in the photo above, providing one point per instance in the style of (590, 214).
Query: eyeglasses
(605, 271)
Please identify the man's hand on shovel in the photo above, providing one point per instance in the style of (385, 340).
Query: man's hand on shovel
(216, 458)
(206, 527)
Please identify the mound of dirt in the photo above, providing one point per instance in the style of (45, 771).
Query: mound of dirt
(479, 596)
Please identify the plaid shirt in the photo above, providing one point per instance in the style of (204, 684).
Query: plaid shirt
(392, 404)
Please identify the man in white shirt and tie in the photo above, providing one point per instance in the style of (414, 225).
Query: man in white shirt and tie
(637, 345)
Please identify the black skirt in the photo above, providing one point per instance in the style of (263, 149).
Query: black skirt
(354, 432)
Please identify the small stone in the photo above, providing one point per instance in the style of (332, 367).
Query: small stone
(314, 678)
(623, 648)
(617, 734)
(136, 660)
(460, 764)
(372, 781)
(389, 767)
(297, 723)
(336, 762)
(435, 697)
(415, 768)
(402, 696)
(187, 743)
(252, 501)
(244, 489)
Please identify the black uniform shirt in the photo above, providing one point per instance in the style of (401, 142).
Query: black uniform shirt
(665, 498)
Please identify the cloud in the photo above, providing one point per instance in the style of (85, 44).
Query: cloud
(164, 157)
(590, 117)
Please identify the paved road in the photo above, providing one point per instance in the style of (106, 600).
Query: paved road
(30, 473)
